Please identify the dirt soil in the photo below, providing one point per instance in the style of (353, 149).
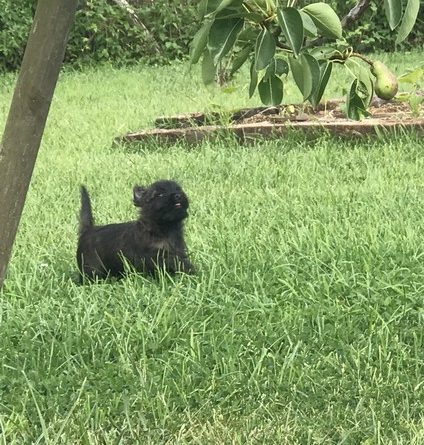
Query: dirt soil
(332, 111)
(250, 123)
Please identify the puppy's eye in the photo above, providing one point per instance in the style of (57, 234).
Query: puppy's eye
(161, 195)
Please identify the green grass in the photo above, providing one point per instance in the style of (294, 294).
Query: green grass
(304, 325)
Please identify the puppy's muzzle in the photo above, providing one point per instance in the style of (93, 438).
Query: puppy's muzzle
(178, 198)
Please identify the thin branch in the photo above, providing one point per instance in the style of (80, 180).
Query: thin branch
(365, 59)
(279, 44)
(282, 46)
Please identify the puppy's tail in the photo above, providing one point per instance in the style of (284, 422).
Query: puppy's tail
(86, 213)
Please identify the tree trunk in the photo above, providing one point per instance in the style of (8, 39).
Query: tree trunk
(28, 114)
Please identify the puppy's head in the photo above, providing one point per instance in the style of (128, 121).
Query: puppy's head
(162, 202)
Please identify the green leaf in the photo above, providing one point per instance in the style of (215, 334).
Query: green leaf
(393, 10)
(308, 25)
(325, 19)
(253, 79)
(306, 74)
(365, 91)
(249, 34)
(222, 36)
(281, 67)
(292, 25)
(199, 42)
(214, 6)
(413, 76)
(252, 16)
(355, 107)
(229, 13)
(240, 58)
(365, 79)
(277, 67)
(409, 19)
(271, 90)
(211, 6)
(403, 97)
(264, 49)
(230, 3)
(415, 102)
(296, 69)
(208, 68)
(314, 72)
(324, 52)
(202, 8)
(264, 6)
(325, 73)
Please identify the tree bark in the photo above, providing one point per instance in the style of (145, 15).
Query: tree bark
(28, 114)
(355, 13)
(138, 22)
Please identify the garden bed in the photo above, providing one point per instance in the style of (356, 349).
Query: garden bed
(271, 122)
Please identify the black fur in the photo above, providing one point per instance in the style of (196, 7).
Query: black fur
(155, 240)
(86, 213)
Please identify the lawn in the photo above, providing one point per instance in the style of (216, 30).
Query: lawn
(305, 324)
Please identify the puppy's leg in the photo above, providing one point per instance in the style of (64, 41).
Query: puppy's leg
(187, 267)
(91, 267)
(176, 263)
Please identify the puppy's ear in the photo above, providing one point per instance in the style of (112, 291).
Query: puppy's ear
(138, 194)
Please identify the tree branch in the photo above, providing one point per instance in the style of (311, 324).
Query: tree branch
(282, 46)
(356, 12)
(279, 44)
(137, 21)
(352, 16)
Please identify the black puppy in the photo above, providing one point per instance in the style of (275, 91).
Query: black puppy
(155, 240)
